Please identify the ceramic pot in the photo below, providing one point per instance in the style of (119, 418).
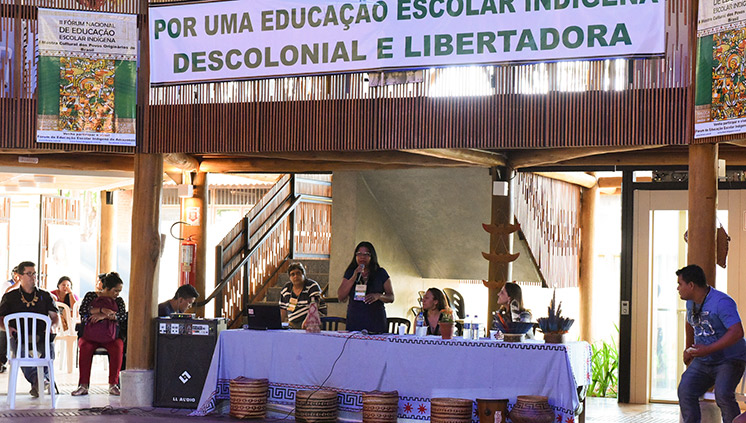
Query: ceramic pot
(531, 409)
(446, 330)
(492, 410)
(554, 337)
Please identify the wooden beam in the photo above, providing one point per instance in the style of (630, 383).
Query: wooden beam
(198, 232)
(182, 161)
(145, 256)
(470, 156)
(576, 178)
(703, 203)
(585, 277)
(543, 157)
(380, 157)
(610, 182)
(79, 161)
(259, 165)
(108, 239)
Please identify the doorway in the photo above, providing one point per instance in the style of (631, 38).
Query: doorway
(658, 314)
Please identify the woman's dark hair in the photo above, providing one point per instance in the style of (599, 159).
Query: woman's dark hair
(111, 280)
(63, 279)
(439, 297)
(373, 267)
(514, 292)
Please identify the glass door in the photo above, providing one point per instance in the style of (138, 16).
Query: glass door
(663, 221)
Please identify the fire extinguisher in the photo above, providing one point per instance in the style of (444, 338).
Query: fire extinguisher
(188, 273)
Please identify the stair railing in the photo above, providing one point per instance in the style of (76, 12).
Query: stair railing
(291, 220)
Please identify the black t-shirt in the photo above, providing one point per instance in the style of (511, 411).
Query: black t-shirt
(17, 301)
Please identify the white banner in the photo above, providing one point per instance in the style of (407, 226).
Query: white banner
(106, 35)
(262, 38)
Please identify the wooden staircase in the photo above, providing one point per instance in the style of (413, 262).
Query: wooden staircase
(291, 222)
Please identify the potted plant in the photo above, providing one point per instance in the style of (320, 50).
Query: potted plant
(554, 326)
(446, 323)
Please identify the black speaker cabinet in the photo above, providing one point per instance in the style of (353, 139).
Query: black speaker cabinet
(183, 353)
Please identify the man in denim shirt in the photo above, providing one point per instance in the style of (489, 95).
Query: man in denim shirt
(715, 349)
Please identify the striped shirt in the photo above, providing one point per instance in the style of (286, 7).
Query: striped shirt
(297, 305)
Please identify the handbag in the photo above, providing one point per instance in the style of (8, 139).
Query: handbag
(103, 331)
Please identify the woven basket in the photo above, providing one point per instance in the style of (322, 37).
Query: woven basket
(380, 407)
(248, 398)
(451, 410)
(315, 406)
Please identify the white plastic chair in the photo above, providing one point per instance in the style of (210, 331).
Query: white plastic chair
(22, 357)
(66, 336)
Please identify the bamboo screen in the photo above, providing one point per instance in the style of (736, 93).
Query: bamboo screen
(581, 103)
(549, 213)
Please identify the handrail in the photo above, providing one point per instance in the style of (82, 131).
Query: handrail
(293, 205)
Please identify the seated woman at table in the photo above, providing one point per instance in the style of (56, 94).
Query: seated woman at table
(297, 295)
(432, 302)
(367, 286)
(510, 302)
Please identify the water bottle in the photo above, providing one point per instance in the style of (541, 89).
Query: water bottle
(419, 325)
(475, 328)
(467, 327)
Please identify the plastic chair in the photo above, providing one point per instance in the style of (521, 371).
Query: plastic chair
(457, 302)
(68, 336)
(395, 322)
(415, 311)
(22, 357)
(332, 323)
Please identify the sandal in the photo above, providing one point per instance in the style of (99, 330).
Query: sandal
(82, 390)
(114, 390)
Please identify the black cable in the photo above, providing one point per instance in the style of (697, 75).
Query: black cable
(322, 383)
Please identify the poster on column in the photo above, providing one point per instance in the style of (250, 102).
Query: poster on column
(720, 100)
(87, 78)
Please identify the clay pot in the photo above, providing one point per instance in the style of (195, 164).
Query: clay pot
(554, 337)
(315, 406)
(248, 398)
(446, 330)
(380, 407)
(492, 410)
(451, 410)
(532, 409)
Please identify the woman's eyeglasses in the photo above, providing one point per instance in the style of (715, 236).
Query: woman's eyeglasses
(362, 254)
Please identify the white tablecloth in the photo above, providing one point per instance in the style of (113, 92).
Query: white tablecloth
(418, 368)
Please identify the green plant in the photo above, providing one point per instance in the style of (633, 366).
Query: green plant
(604, 369)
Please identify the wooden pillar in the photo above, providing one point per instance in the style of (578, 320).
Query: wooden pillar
(703, 203)
(146, 240)
(107, 254)
(502, 213)
(587, 232)
(197, 229)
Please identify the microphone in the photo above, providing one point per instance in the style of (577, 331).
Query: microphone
(360, 275)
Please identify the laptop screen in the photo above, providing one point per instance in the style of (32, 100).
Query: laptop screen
(263, 316)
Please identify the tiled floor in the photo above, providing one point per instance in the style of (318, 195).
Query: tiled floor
(99, 406)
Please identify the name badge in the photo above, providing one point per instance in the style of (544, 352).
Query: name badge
(292, 305)
(360, 292)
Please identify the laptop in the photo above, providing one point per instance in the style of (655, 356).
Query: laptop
(263, 316)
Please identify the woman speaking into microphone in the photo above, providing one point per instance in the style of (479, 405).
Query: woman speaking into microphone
(366, 286)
